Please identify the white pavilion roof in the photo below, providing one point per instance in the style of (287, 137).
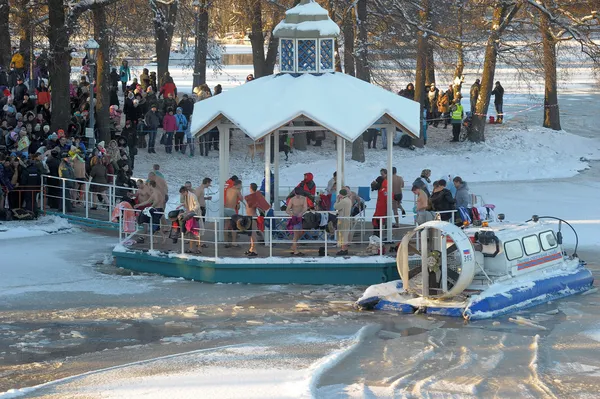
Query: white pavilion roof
(307, 18)
(341, 103)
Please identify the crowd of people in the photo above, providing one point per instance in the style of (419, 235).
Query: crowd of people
(443, 107)
(139, 106)
(432, 198)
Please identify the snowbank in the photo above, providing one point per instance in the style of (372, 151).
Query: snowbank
(35, 228)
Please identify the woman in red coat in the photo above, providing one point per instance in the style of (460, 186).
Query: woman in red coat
(43, 95)
(381, 205)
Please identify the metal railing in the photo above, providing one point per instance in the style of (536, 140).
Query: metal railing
(276, 234)
(273, 237)
(67, 195)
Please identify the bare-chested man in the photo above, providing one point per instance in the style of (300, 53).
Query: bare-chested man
(143, 192)
(202, 197)
(255, 200)
(233, 197)
(296, 207)
(161, 184)
(156, 203)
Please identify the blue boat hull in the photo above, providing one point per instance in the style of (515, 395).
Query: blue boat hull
(512, 300)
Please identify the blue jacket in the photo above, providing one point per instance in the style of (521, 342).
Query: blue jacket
(125, 73)
(182, 122)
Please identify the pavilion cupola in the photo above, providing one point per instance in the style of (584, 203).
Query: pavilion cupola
(307, 39)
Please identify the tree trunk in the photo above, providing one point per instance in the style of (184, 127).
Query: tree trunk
(24, 24)
(101, 35)
(348, 33)
(5, 50)
(362, 44)
(429, 64)
(271, 58)
(363, 71)
(59, 57)
(551, 110)
(499, 22)
(201, 47)
(257, 38)
(460, 52)
(333, 14)
(420, 75)
(165, 16)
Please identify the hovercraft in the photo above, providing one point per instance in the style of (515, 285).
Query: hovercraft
(479, 272)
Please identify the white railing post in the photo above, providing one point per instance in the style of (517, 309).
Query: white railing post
(216, 237)
(380, 236)
(42, 194)
(271, 232)
(110, 201)
(64, 200)
(87, 199)
(326, 234)
(151, 234)
(182, 240)
(453, 220)
(120, 226)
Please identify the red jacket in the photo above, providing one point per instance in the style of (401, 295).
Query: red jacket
(382, 194)
(43, 97)
(168, 88)
(169, 123)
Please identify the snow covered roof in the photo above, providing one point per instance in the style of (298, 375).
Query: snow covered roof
(307, 20)
(341, 103)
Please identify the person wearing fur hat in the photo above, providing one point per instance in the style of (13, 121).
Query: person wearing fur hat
(101, 148)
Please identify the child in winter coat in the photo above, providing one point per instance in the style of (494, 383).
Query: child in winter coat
(182, 123)
(170, 127)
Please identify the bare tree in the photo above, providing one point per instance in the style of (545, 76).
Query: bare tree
(420, 73)
(503, 13)
(264, 64)
(165, 15)
(201, 46)
(363, 71)
(102, 75)
(559, 21)
(5, 50)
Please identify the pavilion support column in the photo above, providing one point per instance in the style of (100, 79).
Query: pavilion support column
(223, 174)
(341, 152)
(275, 171)
(390, 212)
(268, 188)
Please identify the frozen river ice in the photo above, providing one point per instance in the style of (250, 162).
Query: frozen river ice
(264, 341)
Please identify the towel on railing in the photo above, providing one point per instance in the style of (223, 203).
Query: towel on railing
(126, 210)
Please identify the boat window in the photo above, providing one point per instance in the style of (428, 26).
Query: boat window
(531, 245)
(548, 240)
(513, 249)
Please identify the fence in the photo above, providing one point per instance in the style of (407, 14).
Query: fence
(162, 235)
(77, 197)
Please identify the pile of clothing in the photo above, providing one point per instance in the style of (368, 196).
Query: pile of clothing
(320, 221)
